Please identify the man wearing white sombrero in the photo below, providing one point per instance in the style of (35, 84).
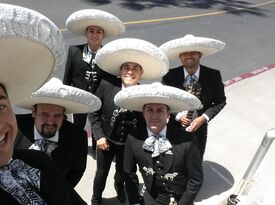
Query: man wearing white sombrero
(50, 132)
(167, 157)
(27, 176)
(81, 71)
(204, 82)
(130, 60)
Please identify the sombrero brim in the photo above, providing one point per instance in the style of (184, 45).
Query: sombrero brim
(135, 97)
(153, 61)
(80, 20)
(74, 100)
(207, 46)
(70, 106)
(31, 46)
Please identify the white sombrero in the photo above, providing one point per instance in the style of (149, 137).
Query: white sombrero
(78, 22)
(74, 100)
(31, 45)
(207, 46)
(135, 97)
(152, 59)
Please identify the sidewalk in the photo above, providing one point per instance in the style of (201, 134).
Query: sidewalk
(233, 138)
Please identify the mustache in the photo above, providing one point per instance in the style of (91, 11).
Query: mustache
(53, 125)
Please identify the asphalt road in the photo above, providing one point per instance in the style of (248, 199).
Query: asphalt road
(247, 27)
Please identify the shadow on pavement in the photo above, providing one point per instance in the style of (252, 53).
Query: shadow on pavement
(217, 179)
(111, 201)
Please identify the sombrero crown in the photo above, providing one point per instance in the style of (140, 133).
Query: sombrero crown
(152, 59)
(78, 22)
(135, 97)
(207, 46)
(31, 46)
(74, 100)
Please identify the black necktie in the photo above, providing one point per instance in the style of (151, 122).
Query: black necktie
(92, 62)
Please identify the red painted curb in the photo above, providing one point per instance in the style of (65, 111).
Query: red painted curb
(249, 75)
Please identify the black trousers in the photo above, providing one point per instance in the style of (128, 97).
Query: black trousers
(80, 121)
(104, 161)
(201, 134)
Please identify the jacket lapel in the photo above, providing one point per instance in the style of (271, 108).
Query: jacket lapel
(169, 158)
(148, 155)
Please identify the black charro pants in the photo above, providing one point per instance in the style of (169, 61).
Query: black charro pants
(104, 161)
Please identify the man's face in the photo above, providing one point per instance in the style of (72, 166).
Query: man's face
(130, 73)
(156, 116)
(190, 60)
(48, 119)
(95, 36)
(8, 128)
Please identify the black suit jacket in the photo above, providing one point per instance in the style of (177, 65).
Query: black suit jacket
(75, 70)
(70, 155)
(212, 88)
(185, 161)
(54, 189)
(106, 121)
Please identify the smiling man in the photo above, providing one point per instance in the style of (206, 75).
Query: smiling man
(202, 81)
(81, 71)
(50, 132)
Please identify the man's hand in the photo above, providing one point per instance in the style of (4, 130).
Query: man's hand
(102, 143)
(196, 124)
(184, 121)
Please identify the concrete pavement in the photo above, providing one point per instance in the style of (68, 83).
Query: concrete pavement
(234, 136)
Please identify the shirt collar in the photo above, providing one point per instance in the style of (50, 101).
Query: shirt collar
(37, 136)
(92, 51)
(197, 73)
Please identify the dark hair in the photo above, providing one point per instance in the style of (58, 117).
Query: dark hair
(4, 88)
(35, 108)
(168, 108)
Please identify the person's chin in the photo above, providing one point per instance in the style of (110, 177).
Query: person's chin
(154, 129)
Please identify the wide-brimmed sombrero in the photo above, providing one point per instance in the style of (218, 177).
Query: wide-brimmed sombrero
(207, 46)
(78, 22)
(31, 46)
(74, 100)
(135, 97)
(152, 59)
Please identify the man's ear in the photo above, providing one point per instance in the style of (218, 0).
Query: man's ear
(200, 54)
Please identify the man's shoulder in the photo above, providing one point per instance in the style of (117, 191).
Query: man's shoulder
(171, 74)
(174, 70)
(179, 134)
(111, 81)
(68, 128)
(209, 70)
(77, 47)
